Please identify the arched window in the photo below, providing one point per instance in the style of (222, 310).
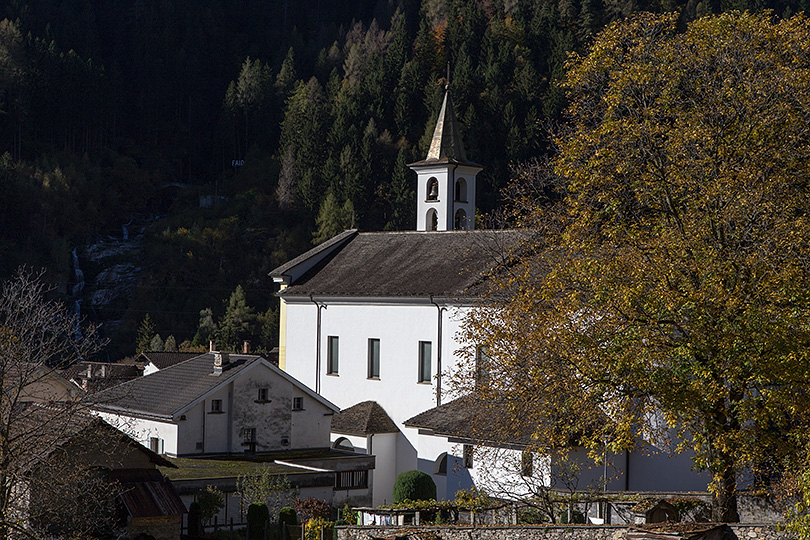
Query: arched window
(440, 465)
(432, 220)
(461, 219)
(342, 443)
(461, 190)
(432, 189)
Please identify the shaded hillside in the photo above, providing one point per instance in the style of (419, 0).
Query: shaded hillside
(293, 119)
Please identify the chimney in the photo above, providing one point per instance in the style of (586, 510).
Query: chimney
(221, 359)
(211, 345)
(246, 347)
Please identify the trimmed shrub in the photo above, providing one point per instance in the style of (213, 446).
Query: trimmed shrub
(414, 486)
(286, 517)
(258, 517)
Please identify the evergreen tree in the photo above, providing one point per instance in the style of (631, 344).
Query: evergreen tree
(237, 323)
(145, 333)
(333, 218)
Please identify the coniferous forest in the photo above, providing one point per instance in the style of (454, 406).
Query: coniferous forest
(238, 134)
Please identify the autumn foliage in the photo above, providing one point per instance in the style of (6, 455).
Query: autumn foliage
(666, 293)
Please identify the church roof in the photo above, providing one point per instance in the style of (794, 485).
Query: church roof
(446, 145)
(364, 418)
(404, 264)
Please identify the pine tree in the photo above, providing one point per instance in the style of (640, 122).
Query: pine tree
(145, 333)
(238, 321)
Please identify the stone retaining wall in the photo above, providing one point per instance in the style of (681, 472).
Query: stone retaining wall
(567, 532)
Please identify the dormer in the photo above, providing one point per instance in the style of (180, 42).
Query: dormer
(445, 178)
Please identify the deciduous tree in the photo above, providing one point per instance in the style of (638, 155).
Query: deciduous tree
(668, 290)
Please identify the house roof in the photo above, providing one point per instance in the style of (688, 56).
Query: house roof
(163, 359)
(403, 264)
(46, 428)
(146, 493)
(176, 388)
(364, 418)
(102, 374)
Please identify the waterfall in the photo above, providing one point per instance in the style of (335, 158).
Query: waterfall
(78, 289)
(125, 230)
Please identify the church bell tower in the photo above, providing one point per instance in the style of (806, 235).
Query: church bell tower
(445, 179)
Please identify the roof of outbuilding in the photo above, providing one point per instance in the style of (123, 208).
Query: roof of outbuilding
(364, 418)
(463, 418)
(405, 264)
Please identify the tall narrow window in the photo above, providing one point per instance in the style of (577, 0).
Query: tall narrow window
(373, 358)
(482, 366)
(461, 219)
(467, 456)
(461, 190)
(424, 360)
(526, 463)
(332, 355)
(432, 220)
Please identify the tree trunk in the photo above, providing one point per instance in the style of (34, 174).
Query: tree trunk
(724, 499)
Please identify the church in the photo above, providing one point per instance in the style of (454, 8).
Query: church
(371, 321)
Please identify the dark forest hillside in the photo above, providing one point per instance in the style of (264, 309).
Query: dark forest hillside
(288, 120)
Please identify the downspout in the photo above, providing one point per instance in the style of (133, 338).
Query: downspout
(438, 355)
(452, 198)
(317, 347)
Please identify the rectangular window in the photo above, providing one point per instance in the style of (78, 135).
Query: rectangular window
(216, 405)
(526, 463)
(332, 355)
(467, 456)
(156, 445)
(373, 358)
(298, 404)
(351, 480)
(249, 435)
(481, 366)
(424, 360)
(262, 394)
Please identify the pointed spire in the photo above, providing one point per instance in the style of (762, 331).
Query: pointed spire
(446, 143)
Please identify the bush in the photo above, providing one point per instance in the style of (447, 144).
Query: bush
(258, 517)
(195, 526)
(414, 486)
(286, 518)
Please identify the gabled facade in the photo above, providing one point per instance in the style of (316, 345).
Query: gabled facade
(218, 403)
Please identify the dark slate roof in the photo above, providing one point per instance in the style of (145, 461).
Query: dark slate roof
(169, 390)
(462, 418)
(364, 418)
(162, 359)
(407, 264)
(146, 493)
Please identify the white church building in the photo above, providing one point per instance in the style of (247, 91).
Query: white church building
(371, 322)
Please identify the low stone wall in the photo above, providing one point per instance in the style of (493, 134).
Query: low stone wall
(565, 532)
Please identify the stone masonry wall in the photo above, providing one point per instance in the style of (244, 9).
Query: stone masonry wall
(568, 532)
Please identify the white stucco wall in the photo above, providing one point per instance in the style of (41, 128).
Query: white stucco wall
(142, 430)
(399, 327)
